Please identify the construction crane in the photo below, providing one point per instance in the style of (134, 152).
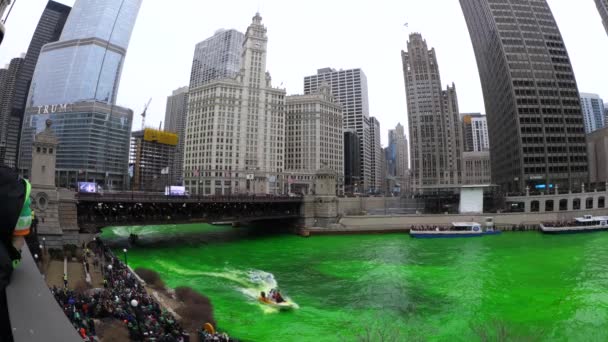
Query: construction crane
(143, 115)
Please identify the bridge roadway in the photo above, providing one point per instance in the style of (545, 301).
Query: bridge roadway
(96, 211)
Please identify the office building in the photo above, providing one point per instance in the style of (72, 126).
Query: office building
(390, 154)
(377, 162)
(597, 150)
(314, 139)
(175, 122)
(8, 83)
(535, 123)
(593, 112)
(398, 138)
(217, 57)
(94, 143)
(602, 7)
(48, 30)
(151, 156)
(475, 132)
(352, 162)
(476, 168)
(86, 63)
(349, 87)
(80, 73)
(235, 131)
(435, 137)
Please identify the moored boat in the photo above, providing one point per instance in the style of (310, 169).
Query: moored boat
(457, 230)
(489, 227)
(585, 224)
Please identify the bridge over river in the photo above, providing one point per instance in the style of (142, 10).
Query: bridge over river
(96, 211)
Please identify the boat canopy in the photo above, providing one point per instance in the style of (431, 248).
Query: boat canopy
(465, 224)
(589, 218)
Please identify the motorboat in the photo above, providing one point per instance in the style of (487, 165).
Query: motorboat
(283, 306)
(489, 227)
(585, 224)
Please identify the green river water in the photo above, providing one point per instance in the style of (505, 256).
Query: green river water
(527, 286)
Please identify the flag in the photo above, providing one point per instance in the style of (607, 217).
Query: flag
(164, 171)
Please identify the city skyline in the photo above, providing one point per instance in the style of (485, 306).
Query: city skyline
(382, 65)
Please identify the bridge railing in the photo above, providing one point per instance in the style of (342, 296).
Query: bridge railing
(160, 198)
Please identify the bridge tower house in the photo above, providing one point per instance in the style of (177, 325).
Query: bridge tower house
(54, 208)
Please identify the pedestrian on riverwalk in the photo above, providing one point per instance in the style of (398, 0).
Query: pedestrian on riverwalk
(65, 280)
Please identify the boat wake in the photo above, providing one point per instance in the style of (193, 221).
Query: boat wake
(251, 283)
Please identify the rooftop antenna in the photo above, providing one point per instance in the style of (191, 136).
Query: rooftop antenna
(143, 115)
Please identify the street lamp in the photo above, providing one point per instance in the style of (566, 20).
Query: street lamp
(134, 304)
(44, 242)
(125, 251)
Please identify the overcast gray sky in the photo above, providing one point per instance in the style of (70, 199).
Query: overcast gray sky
(307, 35)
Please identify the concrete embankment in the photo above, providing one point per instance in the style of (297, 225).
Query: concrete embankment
(402, 223)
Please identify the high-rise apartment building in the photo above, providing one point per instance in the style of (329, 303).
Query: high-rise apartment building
(8, 84)
(314, 138)
(48, 30)
(152, 153)
(235, 131)
(86, 62)
(537, 133)
(593, 112)
(175, 122)
(75, 84)
(349, 87)
(376, 162)
(602, 7)
(217, 57)
(475, 132)
(435, 138)
(352, 162)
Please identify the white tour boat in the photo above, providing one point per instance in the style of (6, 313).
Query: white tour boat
(585, 224)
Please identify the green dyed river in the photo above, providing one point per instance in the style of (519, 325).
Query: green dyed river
(526, 286)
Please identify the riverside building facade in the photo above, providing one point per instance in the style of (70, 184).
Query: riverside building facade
(314, 139)
(535, 123)
(152, 154)
(75, 84)
(235, 131)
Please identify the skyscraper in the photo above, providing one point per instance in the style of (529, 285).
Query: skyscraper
(537, 134)
(235, 131)
(75, 84)
(175, 122)
(48, 30)
(86, 62)
(475, 133)
(436, 142)
(602, 7)
(376, 165)
(314, 138)
(350, 90)
(152, 153)
(593, 112)
(352, 162)
(401, 152)
(217, 57)
(8, 83)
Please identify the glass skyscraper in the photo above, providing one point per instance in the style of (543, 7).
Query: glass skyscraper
(75, 85)
(48, 30)
(86, 62)
(217, 57)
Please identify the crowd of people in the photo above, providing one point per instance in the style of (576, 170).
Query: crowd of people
(122, 298)
(427, 228)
